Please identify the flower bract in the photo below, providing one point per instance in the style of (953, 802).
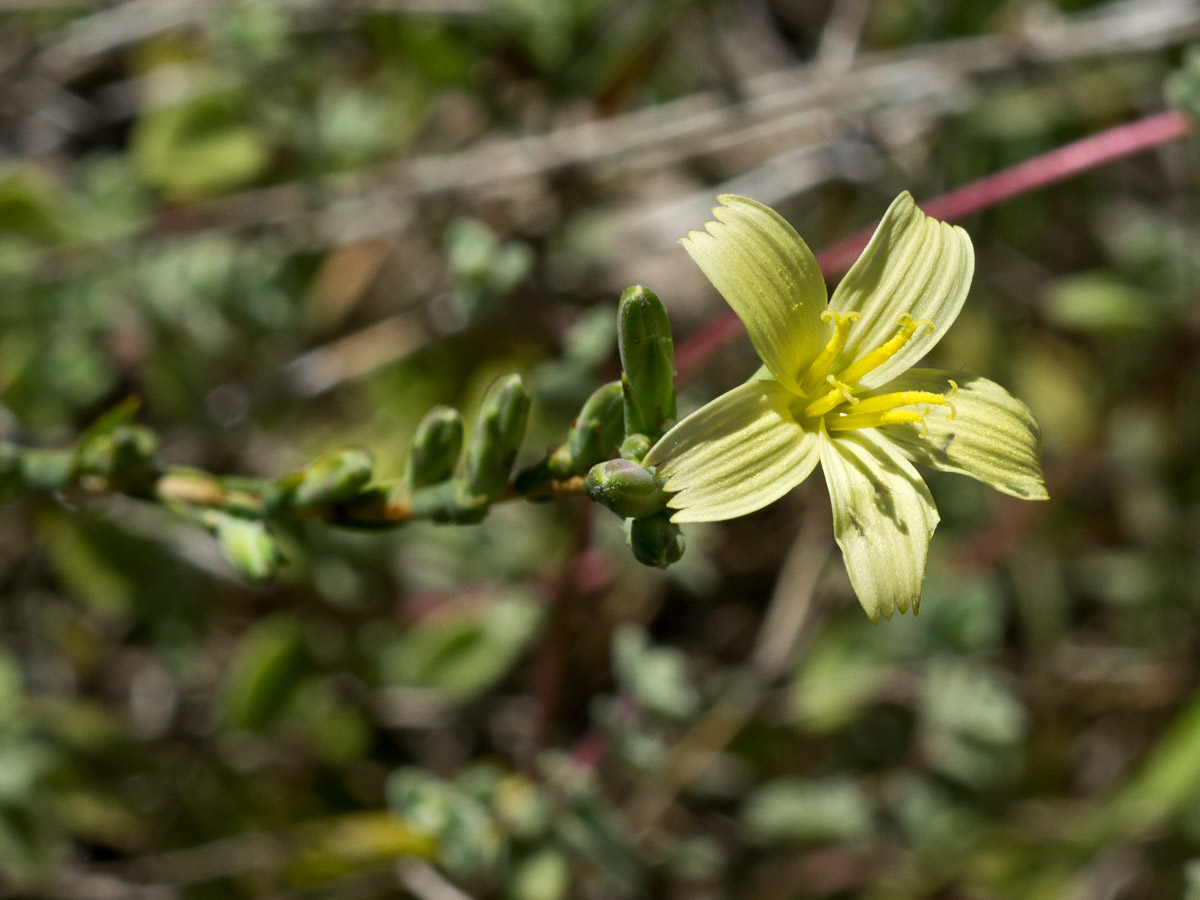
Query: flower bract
(838, 387)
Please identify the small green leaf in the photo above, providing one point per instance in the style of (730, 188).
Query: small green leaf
(266, 668)
(788, 810)
(246, 544)
(198, 148)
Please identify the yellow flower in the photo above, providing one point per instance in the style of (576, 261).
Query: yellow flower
(838, 388)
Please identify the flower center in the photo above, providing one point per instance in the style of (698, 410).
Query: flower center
(834, 399)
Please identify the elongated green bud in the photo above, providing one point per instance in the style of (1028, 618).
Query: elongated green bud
(595, 435)
(647, 362)
(499, 429)
(330, 479)
(625, 488)
(655, 540)
(246, 544)
(436, 447)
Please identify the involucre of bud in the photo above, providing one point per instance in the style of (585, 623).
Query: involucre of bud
(436, 447)
(499, 429)
(655, 540)
(647, 362)
(625, 488)
(330, 479)
(594, 435)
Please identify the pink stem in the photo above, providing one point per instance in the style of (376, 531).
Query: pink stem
(1058, 164)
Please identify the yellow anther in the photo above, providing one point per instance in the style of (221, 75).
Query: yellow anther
(838, 394)
(821, 365)
(881, 354)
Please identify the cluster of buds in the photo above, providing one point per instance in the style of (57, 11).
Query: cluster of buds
(648, 393)
(437, 492)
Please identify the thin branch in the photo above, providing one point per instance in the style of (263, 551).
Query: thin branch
(1048, 168)
(203, 490)
(550, 666)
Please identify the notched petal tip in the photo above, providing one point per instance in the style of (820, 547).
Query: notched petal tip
(914, 264)
(770, 278)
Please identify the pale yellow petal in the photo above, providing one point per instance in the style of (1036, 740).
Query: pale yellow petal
(762, 268)
(992, 435)
(914, 265)
(883, 519)
(735, 455)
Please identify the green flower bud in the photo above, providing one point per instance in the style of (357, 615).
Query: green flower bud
(647, 362)
(436, 447)
(635, 446)
(499, 429)
(328, 480)
(594, 435)
(655, 540)
(625, 488)
(246, 544)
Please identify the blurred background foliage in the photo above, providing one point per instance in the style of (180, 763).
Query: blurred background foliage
(293, 226)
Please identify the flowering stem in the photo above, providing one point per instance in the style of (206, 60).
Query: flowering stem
(1056, 165)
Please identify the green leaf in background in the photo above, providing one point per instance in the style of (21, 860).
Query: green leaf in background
(247, 544)
(972, 724)
(839, 676)
(32, 204)
(198, 148)
(343, 846)
(1100, 302)
(467, 839)
(264, 673)
(788, 810)
(545, 874)
(655, 677)
(467, 653)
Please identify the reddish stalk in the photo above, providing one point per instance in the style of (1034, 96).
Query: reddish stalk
(1056, 165)
(551, 661)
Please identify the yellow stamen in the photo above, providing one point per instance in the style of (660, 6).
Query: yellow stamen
(821, 365)
(882, 403)
(880, 355)
(838, 394)
(851, 421)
